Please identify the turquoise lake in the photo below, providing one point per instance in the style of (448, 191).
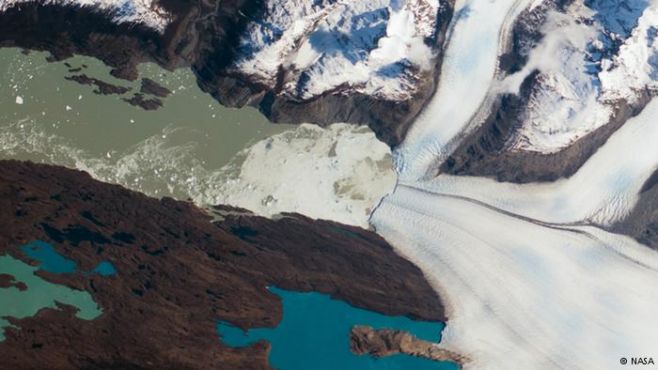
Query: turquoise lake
(51, 261)
(314, 334)
(40, 293)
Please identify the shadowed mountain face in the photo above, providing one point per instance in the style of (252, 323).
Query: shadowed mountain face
(369, 63)
(177, 274)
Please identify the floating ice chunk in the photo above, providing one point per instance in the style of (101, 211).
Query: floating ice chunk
(19, 100)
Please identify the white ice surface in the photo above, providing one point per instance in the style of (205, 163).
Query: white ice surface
(339, 173)
(602, 191)
(144, 12)
(526, 296)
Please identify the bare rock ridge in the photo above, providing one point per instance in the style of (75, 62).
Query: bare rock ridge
(178, 273)
(387, 342)
(381, 89)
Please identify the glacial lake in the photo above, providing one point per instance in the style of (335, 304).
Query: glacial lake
(314, 334)
(51, 261)
(40, 293)
(46, 118)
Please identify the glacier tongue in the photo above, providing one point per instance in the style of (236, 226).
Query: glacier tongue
(522, 295)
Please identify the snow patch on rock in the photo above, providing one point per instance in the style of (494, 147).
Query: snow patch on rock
(144, 12)
(635, 68)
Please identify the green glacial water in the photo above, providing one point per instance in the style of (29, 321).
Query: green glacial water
(65, 123)
(39, 294)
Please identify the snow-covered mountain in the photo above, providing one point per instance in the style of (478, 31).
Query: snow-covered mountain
(380, 48)
(143, 12)
(591, 56)
(364, 62)
(580, 69)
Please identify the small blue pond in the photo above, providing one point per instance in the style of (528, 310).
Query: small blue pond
(51, 261)
(105, 268)
(314, 334)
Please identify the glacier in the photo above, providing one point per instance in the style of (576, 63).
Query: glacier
(531, 276)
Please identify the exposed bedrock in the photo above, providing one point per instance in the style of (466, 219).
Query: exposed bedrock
(387, 342)
(178, 273)
(209, 38)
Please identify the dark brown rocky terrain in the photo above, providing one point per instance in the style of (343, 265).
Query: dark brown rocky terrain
(139, 100)
(178, 274)
(387, 342)
(7, 281)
